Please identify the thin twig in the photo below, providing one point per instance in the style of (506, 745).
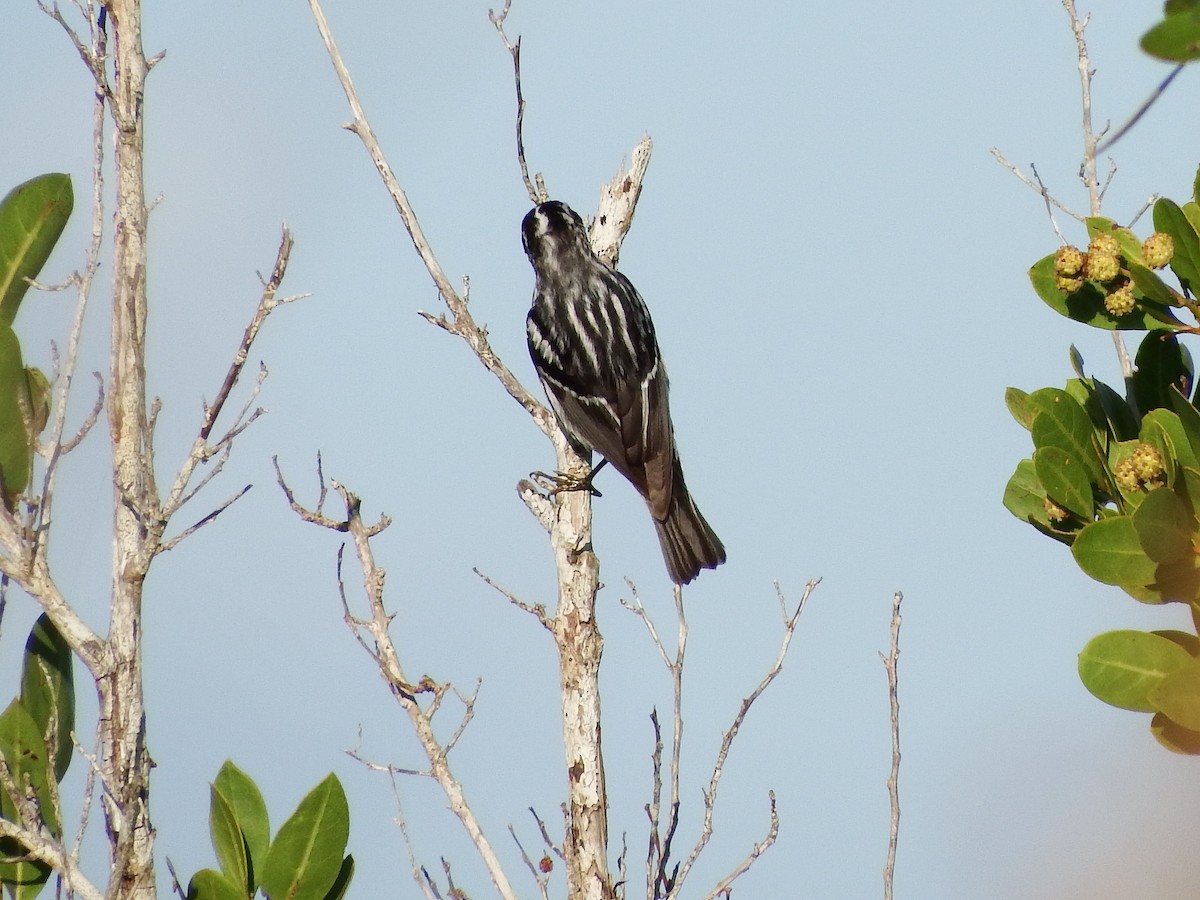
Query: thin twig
(536, 194)
(1140, 111)
(266, 304)
(537, 610)
(710, 795)
(723, 888)
(1087, 170)
(461, 323)
(889, 662)
(1037, 186)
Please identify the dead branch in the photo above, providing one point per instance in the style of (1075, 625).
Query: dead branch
(536, 194)
(710, 794)
(889, 664)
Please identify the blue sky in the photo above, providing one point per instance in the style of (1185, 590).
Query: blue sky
(836, 268)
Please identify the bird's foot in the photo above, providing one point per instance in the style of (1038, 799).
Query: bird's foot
(562, 482)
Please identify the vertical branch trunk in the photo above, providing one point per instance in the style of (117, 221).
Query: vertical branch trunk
(124, 760)
(579, 649)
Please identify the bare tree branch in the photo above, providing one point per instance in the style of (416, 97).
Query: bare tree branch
(536, 194)
(889, 663)
(1140, 111)
(1091, 140)
(375, 633)
(461, 322)
(723, 889)
(710, 795)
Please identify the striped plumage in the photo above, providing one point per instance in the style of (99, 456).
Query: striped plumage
(593, 345)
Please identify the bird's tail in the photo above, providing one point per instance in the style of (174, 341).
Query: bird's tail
(688, 542)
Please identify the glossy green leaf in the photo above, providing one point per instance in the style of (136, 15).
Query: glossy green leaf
(1165, 527)
(1128, 242)
(37, 387)
(1188, 641)
(1191, 212)
(1165, 430)
(24, 751)
(342, 883)
(1158, 365)
(16, 452)
(1177, 696)
(209, 884)
(227, 840)
(246, 801)
(1122, 667)
(1178, 580)
(1176, 38)
(1087, 304)
(1065, 481)
(1110, 552)
(1064, 424)
(1024, 497)
(32, 218)
(1018, 404)
(1189, 420)
(1161, 363)
(48, 690)
(306, 856)
(1149, 287)
(1169, 218)
(1109, 411)
(1174, 736)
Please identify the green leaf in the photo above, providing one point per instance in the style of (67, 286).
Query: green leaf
(1165, 430)
(1177, 696)
(244, 797)
(24, 751)
(1086, 305)
(1148, 286)
(1189, 420)
(1128, 242)
(227, 840)
(1164, 526)
(1122, 424)
(1110, 552)
(306, 856)
(1122, 667)
(16, 450)
(1174, 736)
(1064, 480)
(209, 884)
(1176, 38)
(1024, 497)
(32, 218)
(1161, 363)
(48, 690)
(1184, 639)
(37, 386)
(1169, 218)
(1018, 404)
(342, 883)
(1064, 424)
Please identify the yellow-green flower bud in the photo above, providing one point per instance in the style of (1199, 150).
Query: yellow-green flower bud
(1158, 249)
(1120, 302)
(1125, 476)
(1102, 266)
(1068, 261)
(1054, 512)
(1068, 284)
(1104, 245)
(1148, 463)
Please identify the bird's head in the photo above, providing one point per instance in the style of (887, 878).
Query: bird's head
(551, 233)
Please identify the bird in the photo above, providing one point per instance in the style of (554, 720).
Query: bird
(594, 348)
